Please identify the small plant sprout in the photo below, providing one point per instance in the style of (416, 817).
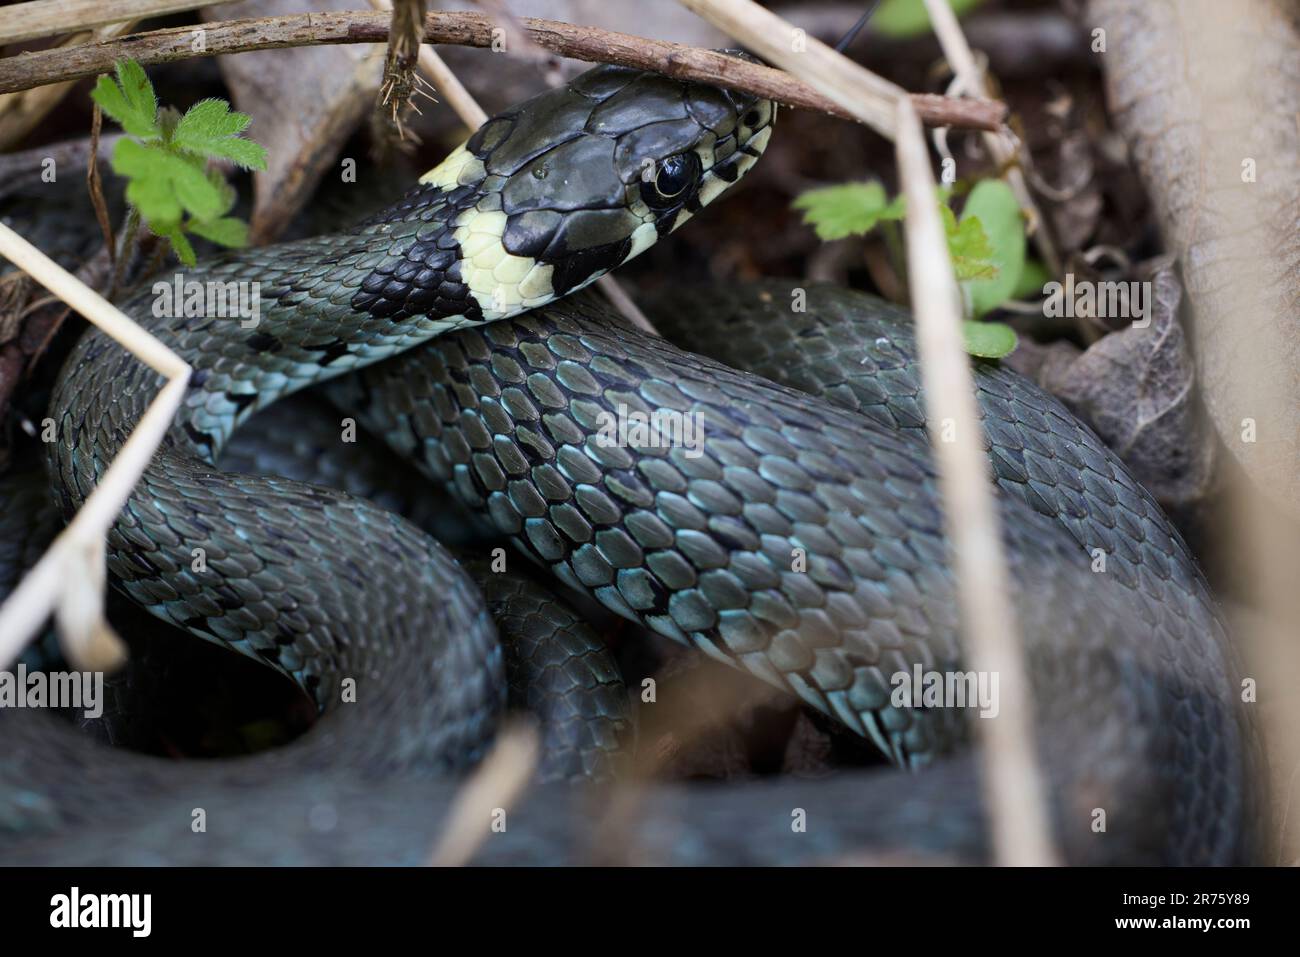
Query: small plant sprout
(987, 245)
(165, 158)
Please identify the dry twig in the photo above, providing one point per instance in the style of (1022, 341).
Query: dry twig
(999, 144)
(495, 785)
(863, 95)
(40, 18)
(403, 50)
(68, 581)
(1011, 781)
(445, 81)
(1018, 816)
(21, 112)
(465, 29)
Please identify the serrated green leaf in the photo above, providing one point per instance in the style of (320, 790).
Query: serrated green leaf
(110, 99)
(848, 209)
(226, 191)
(243, 153)
(163, 183)
(149, 190)
(210, 119)
(155, 199)
(226, 231)
(988, 340)
(995, 206)
(136, 116)
(131, 158)
(200, 198)
(909, 18)
(209, 129)
(972, 256)
(137, 88)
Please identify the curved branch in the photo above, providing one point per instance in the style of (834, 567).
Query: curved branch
(27, 70)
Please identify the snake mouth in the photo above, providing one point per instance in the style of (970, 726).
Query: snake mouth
(558, 190)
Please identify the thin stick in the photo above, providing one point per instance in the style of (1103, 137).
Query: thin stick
(959, 56)
(68, 580)
(490, 791)
(514, 37)
(21, 112)
(40, 18)
(465, 29)
(1018, 818)
(18, 170)
(95, 186)
(444, 80)
(620, 300)
(448, 84)
(1012, 782)
(866, 96)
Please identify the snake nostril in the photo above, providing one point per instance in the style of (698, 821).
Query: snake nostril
(752, 118)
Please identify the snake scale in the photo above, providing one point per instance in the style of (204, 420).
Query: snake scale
(801, 541)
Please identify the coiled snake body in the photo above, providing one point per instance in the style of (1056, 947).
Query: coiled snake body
(498, 390)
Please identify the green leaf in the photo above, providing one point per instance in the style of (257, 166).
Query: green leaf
(201, 199)
(243, 153)
(131, 158)
(226, 231)
(988, 340)
(209, 128)
(226, 191)
(849, 209)
(156, 201)
(1032, 280)
(211, 119)
(163, 183)
(149, 190)
(137, 88)
(968, 245)
(167, 173)
(909, 18)
(994, 206)
(110, 99)
(130, 101)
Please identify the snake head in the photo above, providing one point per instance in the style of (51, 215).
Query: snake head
(580, 179)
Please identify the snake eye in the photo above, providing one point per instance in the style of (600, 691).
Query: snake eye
(674, 177)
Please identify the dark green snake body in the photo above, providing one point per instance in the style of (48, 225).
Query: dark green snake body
(802, 540)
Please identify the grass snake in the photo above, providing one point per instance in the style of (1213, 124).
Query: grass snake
(802, 541)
